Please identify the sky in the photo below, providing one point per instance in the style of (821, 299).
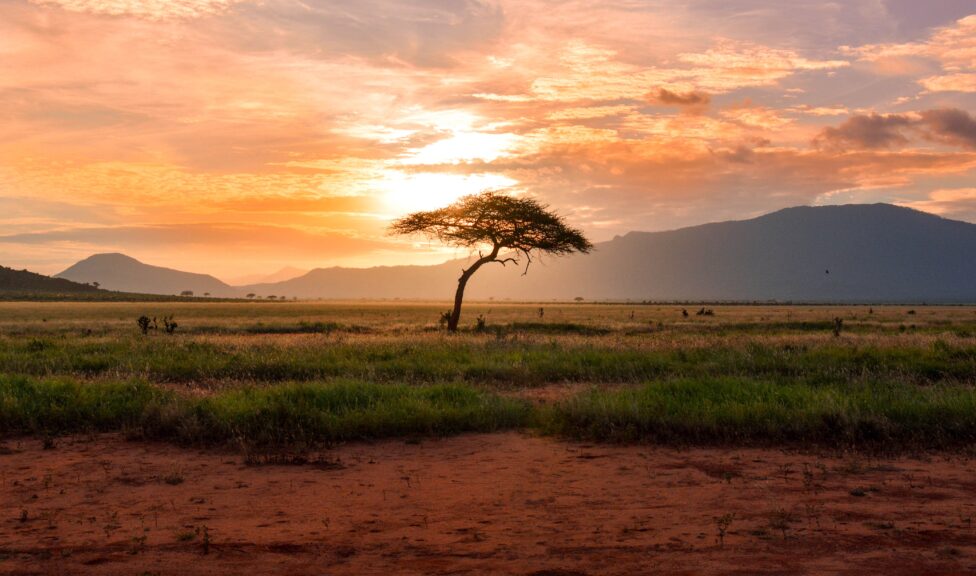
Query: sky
(237, 137)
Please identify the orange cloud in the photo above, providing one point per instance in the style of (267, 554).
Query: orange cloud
(153, 9)
(693, 102)
(314, 123)
(950, 83)
(867, 131)
(958, 203)
(953, 48)
(665, 96)
(948, 125)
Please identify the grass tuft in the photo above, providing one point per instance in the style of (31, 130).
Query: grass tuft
(739, 410)
(289, 414)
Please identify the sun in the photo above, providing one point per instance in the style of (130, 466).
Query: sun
(408, 187)
(405, 192)
(463, 146)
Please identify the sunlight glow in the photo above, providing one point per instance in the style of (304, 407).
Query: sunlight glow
(179, 130)
(463, 146)
(403, 192)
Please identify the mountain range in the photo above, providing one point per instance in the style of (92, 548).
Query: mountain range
(26, 282)
(123, 273)
(286, 273)
(851, 253)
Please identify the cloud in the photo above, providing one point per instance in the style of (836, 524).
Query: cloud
(950, 83)
(398, 33)
(25, 213)
(692, 101)
(751, 116)
(587, 72)
(205, 247)
(752, 60)
(950, 125)
(872, 131)
(951, 48)
(867, 131)
(957, 203)
(819, 110)
(301, 203)
(666, 96)
(589, 112)
(151, 9)
(309, 122)
(662, 182)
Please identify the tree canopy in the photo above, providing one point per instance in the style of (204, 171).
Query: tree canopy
(520, 226)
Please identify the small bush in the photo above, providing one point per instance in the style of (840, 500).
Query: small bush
(144, 324)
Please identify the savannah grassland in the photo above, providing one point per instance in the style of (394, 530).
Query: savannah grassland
(359, 437)
(287, 374)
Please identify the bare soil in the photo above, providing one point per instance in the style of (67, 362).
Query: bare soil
(479, 504)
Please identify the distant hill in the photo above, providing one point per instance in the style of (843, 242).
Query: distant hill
(853, 253)
(286, 273)
(125, 274)
(416, 282)
(24, 282)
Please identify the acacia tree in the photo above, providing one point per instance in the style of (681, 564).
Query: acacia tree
(510, 228)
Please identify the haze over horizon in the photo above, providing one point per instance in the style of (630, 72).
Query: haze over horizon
(238, 137)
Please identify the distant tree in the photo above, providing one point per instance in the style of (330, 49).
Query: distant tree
(251, 295)
(272, 297)
(521, 227)
(578, 299)
(207, 294)
(96, 284)
(186, 293)
(144, 324)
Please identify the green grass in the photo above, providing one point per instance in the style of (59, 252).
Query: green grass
(302, 328)
(746, 411)
(475, 360)
(722, 411)
(303, 413)
(296, 373)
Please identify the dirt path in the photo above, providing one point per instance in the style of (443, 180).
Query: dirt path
(481, 504)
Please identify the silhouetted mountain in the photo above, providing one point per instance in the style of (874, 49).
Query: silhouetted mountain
(125, 274)
(286, 273)
(416, 282)
(856, 253)
(24, 282)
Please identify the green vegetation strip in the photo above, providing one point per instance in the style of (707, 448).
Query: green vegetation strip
(707, 411)
(283, 415)
(743, 411)
(481, 361)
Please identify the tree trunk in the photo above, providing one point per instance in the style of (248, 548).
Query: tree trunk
(452, 322)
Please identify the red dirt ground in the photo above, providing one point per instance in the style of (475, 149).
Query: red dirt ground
(479, 504)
